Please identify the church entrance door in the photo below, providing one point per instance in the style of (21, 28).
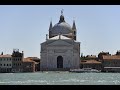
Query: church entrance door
(59, 62)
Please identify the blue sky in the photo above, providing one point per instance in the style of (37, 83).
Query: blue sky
(25, 27)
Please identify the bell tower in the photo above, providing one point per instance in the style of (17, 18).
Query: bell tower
(74, 30)
(50, 28)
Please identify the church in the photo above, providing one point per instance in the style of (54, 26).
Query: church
(60, 51)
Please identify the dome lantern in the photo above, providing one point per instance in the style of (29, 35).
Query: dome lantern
(61, 17)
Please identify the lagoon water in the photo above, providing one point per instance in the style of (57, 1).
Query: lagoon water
(59, 78)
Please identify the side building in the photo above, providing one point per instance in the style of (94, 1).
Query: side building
(17, 63)
(28, 65)
(111, 63)
(5, 63)
(17, 59)
(94, 64)
(37, 62)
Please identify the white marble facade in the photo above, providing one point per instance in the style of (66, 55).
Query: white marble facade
(65, 51)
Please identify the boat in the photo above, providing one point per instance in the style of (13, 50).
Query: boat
(83, 70)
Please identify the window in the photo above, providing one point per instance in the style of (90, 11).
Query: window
(7, 64)
(4, 64)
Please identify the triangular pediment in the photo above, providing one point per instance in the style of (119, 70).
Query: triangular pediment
(60, 42)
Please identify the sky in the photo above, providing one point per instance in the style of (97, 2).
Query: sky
(24, 27)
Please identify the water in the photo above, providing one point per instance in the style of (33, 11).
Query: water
(59, 78)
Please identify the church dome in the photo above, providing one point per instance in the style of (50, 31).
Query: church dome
(61, 27)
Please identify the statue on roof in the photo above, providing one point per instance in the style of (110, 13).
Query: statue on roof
(62, 11)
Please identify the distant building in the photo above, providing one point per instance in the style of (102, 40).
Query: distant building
(5, 63)
(111, 63)
(28, 65)
(17, 59)
(94, 64)
(37, 62)
(17, 63)
(60, 51)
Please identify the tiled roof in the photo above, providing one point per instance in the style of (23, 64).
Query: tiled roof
(90, 62)
(108, 57)
(29, 60)
(7, 55)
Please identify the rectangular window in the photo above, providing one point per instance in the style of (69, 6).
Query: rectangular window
(4, 64)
